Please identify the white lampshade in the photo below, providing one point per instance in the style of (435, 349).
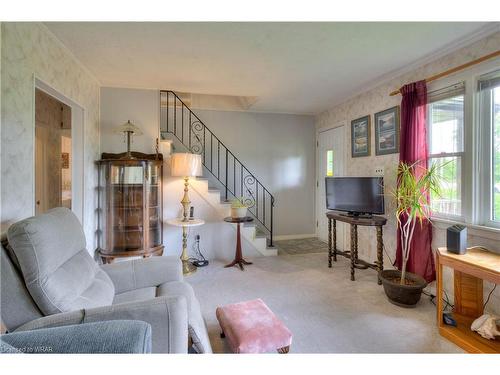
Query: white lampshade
(186, 165)
(127, 127)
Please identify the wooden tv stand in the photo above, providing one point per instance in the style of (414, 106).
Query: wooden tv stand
(354, 221)
(470, 270)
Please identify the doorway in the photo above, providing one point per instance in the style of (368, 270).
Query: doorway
(69, 188)
(330, 163)
(53, 153)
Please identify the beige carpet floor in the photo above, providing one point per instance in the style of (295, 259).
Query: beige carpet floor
(301, 246)
(326, 312)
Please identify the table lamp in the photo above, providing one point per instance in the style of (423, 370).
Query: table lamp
(186, 165)
(128, 129)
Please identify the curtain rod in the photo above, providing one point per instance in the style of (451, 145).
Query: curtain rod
(456, 69)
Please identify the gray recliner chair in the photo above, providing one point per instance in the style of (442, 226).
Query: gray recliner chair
(110, 337)
(49, 279)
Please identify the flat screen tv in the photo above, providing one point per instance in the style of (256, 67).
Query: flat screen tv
(355, 195)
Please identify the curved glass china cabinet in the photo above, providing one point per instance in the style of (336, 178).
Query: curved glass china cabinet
(130, 205)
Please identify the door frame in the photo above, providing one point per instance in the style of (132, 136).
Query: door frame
(323, 129)
(78, 119)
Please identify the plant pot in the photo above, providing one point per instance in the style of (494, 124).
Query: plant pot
(402, 295)
(238, 212)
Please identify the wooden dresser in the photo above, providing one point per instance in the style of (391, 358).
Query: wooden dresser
(470, 270)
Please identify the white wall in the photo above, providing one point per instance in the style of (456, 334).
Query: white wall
(280, 150)
(29, 50)
(378, 99)
(138, 106)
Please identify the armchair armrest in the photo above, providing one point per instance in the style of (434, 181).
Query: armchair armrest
(119, 336)
(167, 316)
(142, 273)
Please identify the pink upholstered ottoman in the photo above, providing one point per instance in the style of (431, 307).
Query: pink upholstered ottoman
(251, 327)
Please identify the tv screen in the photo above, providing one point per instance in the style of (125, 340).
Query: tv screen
(357, 195)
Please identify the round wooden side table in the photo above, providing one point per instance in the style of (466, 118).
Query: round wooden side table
(238, 258)
(187, 268)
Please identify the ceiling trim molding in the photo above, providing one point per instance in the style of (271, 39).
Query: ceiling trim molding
(69, 52)
(483, 32)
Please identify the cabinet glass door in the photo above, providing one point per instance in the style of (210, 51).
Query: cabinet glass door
(126, 207)
(154, 201)
(130, 207)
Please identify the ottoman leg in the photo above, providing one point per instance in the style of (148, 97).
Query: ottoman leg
(222, 335)
(284, 350)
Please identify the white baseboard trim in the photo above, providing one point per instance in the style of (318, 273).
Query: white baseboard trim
(294, 236)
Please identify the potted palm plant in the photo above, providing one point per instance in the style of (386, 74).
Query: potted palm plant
(411, 195)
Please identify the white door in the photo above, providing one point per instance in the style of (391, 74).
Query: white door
(330, 162)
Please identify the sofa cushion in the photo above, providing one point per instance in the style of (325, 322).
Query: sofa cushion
(16, 305)
(135, 295)
(58, 271)
(196, 324)
(112, 336)
(12, 256)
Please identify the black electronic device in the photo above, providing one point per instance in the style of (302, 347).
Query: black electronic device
(200, 261)
(355, 195)
(456, 239)
(449, 320)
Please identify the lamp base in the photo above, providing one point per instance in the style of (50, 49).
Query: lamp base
(187, 268)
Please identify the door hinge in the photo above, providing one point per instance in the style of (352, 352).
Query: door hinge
(317, 183)
(317, 223)
(317, 143)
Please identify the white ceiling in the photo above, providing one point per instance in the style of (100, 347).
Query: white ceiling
(290, 67)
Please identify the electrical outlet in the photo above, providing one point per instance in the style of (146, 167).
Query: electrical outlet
(379, 171)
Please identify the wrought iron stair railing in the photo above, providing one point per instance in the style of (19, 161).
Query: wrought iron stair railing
(177, 119)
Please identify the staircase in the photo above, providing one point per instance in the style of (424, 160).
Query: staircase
(250, 232)
(234, 180)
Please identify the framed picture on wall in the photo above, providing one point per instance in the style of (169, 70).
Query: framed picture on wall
(360, 137)
(387, 131)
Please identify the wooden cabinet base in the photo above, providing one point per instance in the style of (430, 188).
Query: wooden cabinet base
(467, 339)
(469, 271)
(109, 258)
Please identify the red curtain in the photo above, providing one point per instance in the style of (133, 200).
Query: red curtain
(413, 148)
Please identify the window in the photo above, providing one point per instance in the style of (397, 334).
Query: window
(489, 114)
(445, 123)
(464, 137)
(329, 163)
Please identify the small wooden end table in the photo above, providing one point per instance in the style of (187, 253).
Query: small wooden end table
(238, 258)
(187, 268)
(469, 271)
(355, 221)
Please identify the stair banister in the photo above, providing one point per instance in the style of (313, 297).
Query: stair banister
(174, 123)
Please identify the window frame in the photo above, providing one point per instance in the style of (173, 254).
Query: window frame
(461, 154)
(485, 153)
(473, 188)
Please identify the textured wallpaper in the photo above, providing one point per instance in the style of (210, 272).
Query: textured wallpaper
(29, 49)
(376, 100)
